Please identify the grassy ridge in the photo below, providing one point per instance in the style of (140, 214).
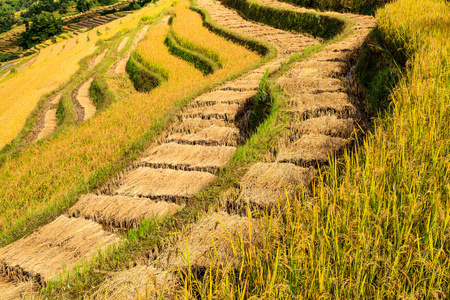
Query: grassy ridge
(205, 64)
(144, 79)
(314, 24)
(376, 225)
(366, 7)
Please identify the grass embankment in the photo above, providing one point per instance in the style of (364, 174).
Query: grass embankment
(49, 176)
(376, 225)
(365, 7)
(143, 76)
(315, 24)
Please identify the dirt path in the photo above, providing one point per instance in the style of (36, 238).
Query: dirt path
(94, 61)
(50, 122)
(83, 104)
(118, 67)
(122, 44)
(187, 160)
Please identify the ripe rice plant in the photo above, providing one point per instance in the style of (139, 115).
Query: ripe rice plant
(49, 176)
(376, 225)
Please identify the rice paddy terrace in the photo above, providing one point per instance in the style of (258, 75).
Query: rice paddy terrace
(192, 152)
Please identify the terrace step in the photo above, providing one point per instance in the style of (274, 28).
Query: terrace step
(223, 97)
(211, 136)
(306, 106)
(194, 125)
(295, 86)
(163, 184)
(88, 108)
(311, 150)
(189, 157)
(50, 122)
(120, 211)
(218, 235)
(57, 246)
(327, 125)
(139, 282)
(227, 112)
(265, 183)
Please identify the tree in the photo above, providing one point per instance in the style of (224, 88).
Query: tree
(63, 8)
(83, 5)
(42, 27)
(6, 22)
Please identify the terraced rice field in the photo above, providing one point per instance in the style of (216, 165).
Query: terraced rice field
(194, 150)
(137, 108)
(318, 120)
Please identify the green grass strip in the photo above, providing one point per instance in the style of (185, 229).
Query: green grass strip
(144, 77)
(200, 61)
(315, 24)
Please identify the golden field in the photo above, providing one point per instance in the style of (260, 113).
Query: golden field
(41, 177)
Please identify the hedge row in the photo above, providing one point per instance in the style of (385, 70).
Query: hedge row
(144, 78)
(315, 24)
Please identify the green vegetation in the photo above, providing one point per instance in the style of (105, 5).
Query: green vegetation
(60, 112)
(42, 27)
(8, 56)
(9, 7)
(100, 93)
(200, 61)
(144, 76)
(262, 105)
(380, 67)
(259, 47)
(367, 7)
(314, 24)
(7, 21)
(83, 6)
